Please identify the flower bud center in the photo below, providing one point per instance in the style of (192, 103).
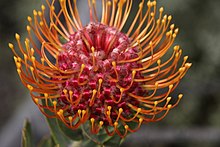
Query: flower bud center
(94, 51)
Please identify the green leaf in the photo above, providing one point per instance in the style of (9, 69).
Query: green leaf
(75, 135)
(59, 138)
(111, 141)
(62, 135)
(101, 139)
(89, 143)
(26, 135)
(103, 136)
(89, 140)
(57, 134)
(47, 142)
(114, 141)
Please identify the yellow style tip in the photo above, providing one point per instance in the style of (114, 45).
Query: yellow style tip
(17, 36)
(11, 46)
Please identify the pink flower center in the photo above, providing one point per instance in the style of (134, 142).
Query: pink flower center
(94, 51)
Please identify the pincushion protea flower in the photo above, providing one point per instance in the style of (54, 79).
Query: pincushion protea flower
(100, 73)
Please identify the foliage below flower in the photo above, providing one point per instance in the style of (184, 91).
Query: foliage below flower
(101, 72)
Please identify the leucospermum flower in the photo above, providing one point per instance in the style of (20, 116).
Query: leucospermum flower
(99, 72)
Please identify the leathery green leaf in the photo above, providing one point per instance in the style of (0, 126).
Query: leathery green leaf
(26, 135)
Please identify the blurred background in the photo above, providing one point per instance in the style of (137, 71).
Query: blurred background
(195, 122)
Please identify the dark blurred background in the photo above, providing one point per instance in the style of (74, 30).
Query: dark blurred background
(195, 122)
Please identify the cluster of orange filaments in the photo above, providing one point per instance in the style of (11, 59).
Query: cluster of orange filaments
(100, 73)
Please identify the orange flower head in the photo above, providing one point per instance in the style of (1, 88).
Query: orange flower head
(100, 72)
